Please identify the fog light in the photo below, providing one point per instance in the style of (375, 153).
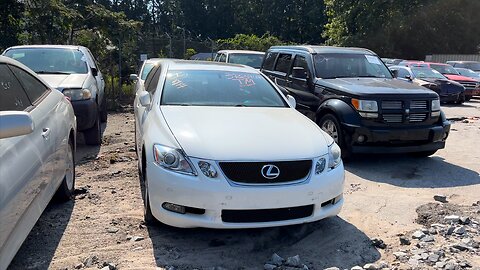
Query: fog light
(361, 139)
(320, 166)
(207, 169)
(174, 207)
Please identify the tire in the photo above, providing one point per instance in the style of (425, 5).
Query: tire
(103, 111)
(467, 98)
(147, 211)
(93, 135)
(424, 153)
(330, 124)
(66, 189)
(461, 99)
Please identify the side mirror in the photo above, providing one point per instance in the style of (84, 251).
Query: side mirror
(395, 73)
(291, 101)
(15, 123)
(133, 77)
(299, 73)
(408, 77)
(145, 98)
(94, 72)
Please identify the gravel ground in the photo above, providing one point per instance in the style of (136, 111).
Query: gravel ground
(389, 200)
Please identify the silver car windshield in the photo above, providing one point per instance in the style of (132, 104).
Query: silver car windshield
(219, 88)
(422, 72)
(336, 65)
(51, 60)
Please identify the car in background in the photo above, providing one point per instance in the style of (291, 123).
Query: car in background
(73, 71)
(391, 61)
(352, 95)
(147, 66)
(242, 57)
(37, 152)
(473, 65)
(472, 86)
(468, 73)
(449, 91)
(216, 150)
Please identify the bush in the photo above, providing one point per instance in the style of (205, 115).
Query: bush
(250, 42)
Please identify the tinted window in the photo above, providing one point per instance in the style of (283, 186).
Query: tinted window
(222, 58)
(146, 69)
(33, 87)
(219, 88)
(301, 62)
(283, 63)
(269, 60)
(51, 60)
(154, 75)
(12, 96)
(336, 65)
(251, 60)
(427, 73)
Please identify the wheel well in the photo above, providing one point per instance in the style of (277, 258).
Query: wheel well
(324, 112)
(144, 158)
(71, 138)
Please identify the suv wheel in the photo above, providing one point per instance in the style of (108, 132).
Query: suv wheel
(103, 111)
(331, 126)
(67, 187)
(93, 135)
(461, 98)
(467, 98)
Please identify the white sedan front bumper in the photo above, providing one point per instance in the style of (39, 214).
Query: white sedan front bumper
(218, 194)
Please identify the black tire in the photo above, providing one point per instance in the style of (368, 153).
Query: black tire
(467, 98)
(339, 138)
(93, 135)
(103, 111)
(66, 189)
(424, 153)
(147, 211)
(461, 99)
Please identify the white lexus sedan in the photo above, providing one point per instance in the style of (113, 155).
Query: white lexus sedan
(221, 147)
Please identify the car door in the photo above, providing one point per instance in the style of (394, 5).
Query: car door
(300, 85)
(23, 168)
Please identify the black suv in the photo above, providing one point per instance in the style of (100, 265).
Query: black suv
(352, 95)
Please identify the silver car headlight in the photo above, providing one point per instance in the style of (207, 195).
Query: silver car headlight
(334, 156)
(172, 159)
(78, 94)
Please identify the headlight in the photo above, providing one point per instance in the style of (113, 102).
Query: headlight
(334, 155)
(436, 105)
(78, 94)
(172, 159)
(366, 108)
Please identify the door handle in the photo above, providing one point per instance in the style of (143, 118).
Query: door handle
(46, 133)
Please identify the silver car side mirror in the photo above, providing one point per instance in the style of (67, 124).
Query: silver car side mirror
(15, 123)
(291, 101)
(145, 98)
(133, 77)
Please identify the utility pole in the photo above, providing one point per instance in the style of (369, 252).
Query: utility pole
(169, 45)
(184, 41)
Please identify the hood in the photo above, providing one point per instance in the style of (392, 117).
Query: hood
(244, 133)
(442, 86)
(63, 81)
(459, 78)
(375, 87)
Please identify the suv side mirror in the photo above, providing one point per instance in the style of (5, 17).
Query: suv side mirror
(145, 98)
(291, 101)
(395, 73)
(94, 72)
(299, 73)
(133, 77)
(408, 77)
(15, 123)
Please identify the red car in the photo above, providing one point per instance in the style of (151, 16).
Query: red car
(472, 86)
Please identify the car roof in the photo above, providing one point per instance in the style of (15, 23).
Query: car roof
(324, 49)
(176, 64)
(74, 47)
(240, 51)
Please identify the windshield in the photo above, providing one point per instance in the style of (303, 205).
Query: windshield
(472, 66)
(468, 72)
(146, 69)
(219, 88)
(249, 59)
(426, 73)
(336, 65)
(444, 69)
(51, 60)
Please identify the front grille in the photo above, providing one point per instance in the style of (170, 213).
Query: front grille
(251, 172)
(393, 118)
(469, 85)
(418, 104)
(267, 215)
(418, 117)
(392, 105)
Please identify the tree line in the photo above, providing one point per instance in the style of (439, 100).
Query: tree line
(126, 28)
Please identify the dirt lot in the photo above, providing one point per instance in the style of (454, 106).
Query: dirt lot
(382, 193)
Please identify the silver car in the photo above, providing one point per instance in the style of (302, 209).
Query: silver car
(37, 152)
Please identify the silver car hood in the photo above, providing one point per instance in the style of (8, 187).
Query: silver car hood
(61, 81)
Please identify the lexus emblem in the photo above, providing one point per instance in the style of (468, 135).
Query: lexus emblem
(270, 171)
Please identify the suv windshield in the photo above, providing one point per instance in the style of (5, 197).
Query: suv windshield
(422, 72)
(249, 59)
(336, 65)
(51, 60)
(219, 88)
(444, 69)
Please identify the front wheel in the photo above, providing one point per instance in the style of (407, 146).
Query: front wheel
(147, 211)
(103, 111)
(467, 98)
(67, 187)
(330, 125)
(461, 98)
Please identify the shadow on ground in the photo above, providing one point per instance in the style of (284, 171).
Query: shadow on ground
(409, 172)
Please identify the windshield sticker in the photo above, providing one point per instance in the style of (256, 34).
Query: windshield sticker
(84, 59)
(179, 84)
(373, 59)
(243, 79)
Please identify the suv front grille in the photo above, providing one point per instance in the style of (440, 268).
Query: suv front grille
(392, 105)
(393, 118)
(414, 111)
(468, 85)
(418, 104)
(418, 117)
(251, 172)
(267, 215)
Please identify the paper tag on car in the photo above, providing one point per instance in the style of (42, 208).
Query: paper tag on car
(373, 59)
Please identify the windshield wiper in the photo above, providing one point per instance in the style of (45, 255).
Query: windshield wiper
(53, 72)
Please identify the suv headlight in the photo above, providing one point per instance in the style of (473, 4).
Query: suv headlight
(435, 108)
(334, 155)
(172, 159)
(78, 94)
(366, 108)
